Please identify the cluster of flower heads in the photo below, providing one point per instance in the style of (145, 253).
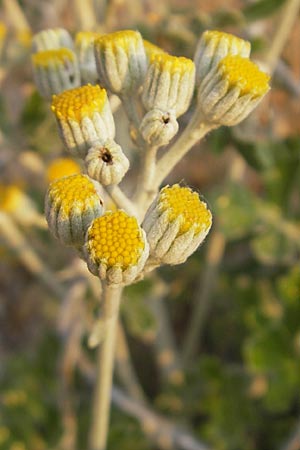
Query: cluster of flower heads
(78, 79)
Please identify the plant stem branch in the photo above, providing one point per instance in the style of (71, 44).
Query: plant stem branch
(124, 368)
(286, 21)
(164, 343)
(105, 359)
(145, 192)
(155, 426)
(194, 131)
(120, 199)
(18, 243)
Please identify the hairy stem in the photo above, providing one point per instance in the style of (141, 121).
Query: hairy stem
(120, 199)
(195, 131)
(145, 190)
(105, 359)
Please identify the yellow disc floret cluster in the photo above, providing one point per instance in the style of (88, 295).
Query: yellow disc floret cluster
(244, 74)
(173, 64)
(233, 41)
(79, 102)
(184, 203)
(62, 167)
(115, 240)
(54, 56)
(123, 39)
(75, 191)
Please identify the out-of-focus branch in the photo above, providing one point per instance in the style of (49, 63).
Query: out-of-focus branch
(17, 242)
(202, 299)
(16, 16)
(163, 432)
(286, 21)
(124, 367)
(164, 343)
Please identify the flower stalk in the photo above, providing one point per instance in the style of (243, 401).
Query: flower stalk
(104, 368)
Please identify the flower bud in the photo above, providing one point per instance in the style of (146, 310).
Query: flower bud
(55, 71)
(231, 91)
(169, 83)
(52, 39)
(84, 44)
(84, 117)
(214, 46)
(116, 248)
(71, 204)
(121, 61)
(62, 167)
(159, 127)
(176, 224)
(106, 163)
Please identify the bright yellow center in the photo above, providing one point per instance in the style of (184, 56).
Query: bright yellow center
(172, 64)
(75, 191)
(79, 102)
(124, 39)
(184, 203)
(115, 239)
(86, 37)
(62, 167)
(10, 197)
(233, 41)
(244, 74)
(54, 56)
(152, 50)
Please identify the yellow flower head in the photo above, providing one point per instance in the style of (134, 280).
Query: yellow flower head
(231, 90)
(62, 167)
(184, 204)
(215, 45)
(125, 39)
(71, 204)
(244, 74)
(176, 224)
(73, 192)
(53, 57)
(121, 61)
(169, 83)
(84, 117)
(116, 247)
(115, 239)
(75, 104)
